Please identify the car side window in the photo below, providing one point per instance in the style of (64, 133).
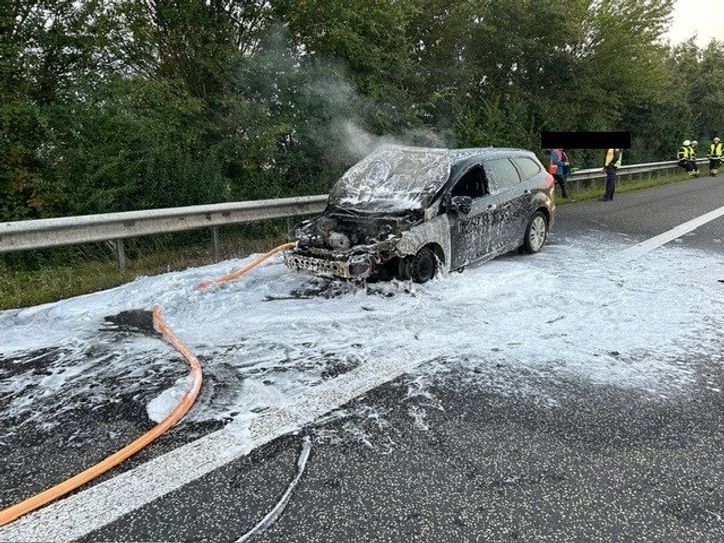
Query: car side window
(527, 167)
(502, 173)
(472, 183)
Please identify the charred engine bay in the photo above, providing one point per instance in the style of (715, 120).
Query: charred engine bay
(340, 232)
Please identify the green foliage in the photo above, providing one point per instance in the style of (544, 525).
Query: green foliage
(706, 92)
(140, 143)
(131, 104)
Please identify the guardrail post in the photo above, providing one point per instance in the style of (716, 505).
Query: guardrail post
(217, 246)
(120, 255)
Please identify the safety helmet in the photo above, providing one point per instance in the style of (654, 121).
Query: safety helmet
(716, 140)
(694, 142)
(687, 142)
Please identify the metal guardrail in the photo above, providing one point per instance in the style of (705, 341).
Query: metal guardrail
(631, 169)
(46, 233)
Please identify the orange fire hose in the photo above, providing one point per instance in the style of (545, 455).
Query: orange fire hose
(247, 267)
(55, 492)
(39, 500)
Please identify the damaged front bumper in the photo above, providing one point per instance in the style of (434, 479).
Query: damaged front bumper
(355, 266)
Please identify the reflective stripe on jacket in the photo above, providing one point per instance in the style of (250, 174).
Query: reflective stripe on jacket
(715, 150)
(683, 153)
(613, 159)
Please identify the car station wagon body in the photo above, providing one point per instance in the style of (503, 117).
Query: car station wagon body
(400, 208)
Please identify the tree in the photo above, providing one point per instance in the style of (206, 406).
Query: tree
(108, 105)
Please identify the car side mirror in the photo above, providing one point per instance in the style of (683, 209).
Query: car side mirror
(461, 204)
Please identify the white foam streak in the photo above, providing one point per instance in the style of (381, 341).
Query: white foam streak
(272, 516)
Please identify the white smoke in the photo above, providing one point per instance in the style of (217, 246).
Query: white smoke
(359, 142)
(334, 109)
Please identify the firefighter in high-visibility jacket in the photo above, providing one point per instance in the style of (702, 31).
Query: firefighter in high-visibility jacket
(715, 155)
(685, 156)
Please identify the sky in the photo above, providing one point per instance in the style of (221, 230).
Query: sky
(703, 17)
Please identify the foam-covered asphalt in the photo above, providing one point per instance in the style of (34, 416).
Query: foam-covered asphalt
(461, 462)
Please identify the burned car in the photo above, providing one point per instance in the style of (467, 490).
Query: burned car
(411, 212)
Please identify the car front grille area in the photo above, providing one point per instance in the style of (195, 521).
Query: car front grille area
(317, 265)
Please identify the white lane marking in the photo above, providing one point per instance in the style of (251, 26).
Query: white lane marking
(272, 516)
(91, 509)
(670, 235)
(80, 514)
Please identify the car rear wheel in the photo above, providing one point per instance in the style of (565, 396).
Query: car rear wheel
(535, 233)
(420, 267)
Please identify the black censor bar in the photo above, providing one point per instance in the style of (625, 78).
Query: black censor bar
(585, 140)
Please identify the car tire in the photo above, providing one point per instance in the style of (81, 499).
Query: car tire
(536, 233)
(421, 267)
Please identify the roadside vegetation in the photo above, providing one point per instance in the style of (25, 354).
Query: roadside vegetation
(125, 104)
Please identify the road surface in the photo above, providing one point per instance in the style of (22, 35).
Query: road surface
(573, 395)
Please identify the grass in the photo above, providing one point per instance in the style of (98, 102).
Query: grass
(28, 287)
(23, 288)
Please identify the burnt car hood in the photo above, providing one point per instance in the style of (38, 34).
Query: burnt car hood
(392, 179)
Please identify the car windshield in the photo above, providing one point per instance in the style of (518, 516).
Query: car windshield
(392, 179)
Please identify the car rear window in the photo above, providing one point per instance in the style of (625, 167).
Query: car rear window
(502, 173)
(527, 167)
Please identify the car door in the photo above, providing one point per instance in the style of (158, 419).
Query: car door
(469, 233)
(509, 198)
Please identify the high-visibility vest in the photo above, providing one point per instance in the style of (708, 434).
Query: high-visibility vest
(612, 160)
(715, 150)
(683, 153)
(692, 153)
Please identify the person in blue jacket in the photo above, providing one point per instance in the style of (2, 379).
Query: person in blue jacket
(560, 168)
